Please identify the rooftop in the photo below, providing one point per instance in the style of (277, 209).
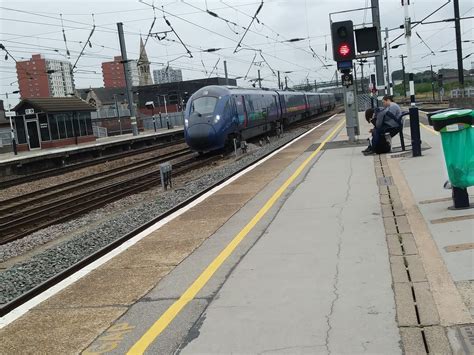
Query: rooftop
(55, 104)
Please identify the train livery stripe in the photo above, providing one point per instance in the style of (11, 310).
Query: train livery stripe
(167, 317)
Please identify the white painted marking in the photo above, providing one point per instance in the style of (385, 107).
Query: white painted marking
(21, 310)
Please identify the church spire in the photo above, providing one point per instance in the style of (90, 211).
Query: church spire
(143, 56)
(144, 66)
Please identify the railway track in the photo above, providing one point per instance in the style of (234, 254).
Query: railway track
(71, 167)
(26, 214)
(62, 275)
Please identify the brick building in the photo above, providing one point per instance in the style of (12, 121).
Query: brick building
(114, 75)
(42, 77)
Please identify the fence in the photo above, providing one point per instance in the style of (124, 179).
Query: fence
(174, 119)
(364, 102)
(99, 132)
(457, 93)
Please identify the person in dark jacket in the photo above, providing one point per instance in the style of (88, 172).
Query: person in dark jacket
(387, 122)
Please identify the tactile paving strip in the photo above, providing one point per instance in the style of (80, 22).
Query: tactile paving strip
(417, 315)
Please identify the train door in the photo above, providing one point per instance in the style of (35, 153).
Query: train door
(241, 111)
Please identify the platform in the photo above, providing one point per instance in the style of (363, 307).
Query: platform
(318, 250)
(50, 157)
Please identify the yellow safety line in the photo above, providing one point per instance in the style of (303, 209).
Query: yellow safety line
(429, 129)
(155, 330)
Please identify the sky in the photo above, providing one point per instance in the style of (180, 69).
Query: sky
(31, 27)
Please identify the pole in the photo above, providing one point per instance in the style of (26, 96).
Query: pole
(432, 82)
(361, 76)
(128, 80)
(286, 83)
(404, 76)
(378, 58)
(457, 26)
(414, 114)
(315, 85)
(118, 113)
(225, 73)
(356, 88)
(350, 106)
(373, 101)
(387, 61)
(166, 113)
(259, 80)
(337, 79)
(15, 151)
(279, 81)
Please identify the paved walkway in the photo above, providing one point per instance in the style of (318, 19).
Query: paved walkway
(354, 255)
(318, 280)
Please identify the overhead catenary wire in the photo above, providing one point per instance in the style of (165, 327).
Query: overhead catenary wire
(87, 53)
(85, 44)
(248, 27)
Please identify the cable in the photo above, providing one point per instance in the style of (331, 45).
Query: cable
(248, 27)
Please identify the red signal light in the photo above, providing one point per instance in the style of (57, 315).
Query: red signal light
(344, 49)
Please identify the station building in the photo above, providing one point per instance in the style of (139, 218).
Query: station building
(52, 122)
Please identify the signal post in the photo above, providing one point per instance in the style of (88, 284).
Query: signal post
(344, 39)
(344, 53)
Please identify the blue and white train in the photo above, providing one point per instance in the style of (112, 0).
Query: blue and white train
(215, 115)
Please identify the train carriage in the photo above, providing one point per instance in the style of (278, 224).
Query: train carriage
(216, 115)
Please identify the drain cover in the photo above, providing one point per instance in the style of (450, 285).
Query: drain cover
(385, 181)
(466, 335)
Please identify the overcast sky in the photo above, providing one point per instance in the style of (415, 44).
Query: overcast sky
(28, 27)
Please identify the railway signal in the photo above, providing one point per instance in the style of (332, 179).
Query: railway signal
(342, 34)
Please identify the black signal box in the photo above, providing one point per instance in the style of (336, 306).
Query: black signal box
(342, 35)
(367, 39)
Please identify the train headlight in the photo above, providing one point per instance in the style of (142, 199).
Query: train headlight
(217, 119)
(186, 122)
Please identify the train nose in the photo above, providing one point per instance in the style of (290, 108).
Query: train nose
(201, 136)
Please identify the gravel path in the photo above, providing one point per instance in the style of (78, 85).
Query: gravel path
(95, 231)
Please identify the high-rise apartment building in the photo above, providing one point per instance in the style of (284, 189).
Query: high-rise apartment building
(41, 77)
(167, 75)
(114, 75)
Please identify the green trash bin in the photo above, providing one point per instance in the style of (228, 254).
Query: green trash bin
(457, 136)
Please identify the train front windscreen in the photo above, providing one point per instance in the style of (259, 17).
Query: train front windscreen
(204, 106)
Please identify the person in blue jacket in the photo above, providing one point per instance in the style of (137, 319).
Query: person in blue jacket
(386, 121)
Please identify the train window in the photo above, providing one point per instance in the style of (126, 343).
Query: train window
(204, 105)
(240, 105)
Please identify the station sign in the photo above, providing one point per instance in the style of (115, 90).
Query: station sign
(10, 113)
(347, 80)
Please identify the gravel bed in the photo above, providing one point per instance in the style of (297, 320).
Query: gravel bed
(32, 186)
(23, 276)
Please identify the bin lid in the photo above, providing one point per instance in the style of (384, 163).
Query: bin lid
(452, 114)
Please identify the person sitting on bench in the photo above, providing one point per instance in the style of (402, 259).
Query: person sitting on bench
(386, 121)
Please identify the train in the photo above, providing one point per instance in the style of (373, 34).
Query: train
(215, 116)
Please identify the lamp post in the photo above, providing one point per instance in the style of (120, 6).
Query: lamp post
(118, 111)
(166, 112)
(14, 147)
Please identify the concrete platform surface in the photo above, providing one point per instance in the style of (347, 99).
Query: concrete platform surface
(339, 254)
